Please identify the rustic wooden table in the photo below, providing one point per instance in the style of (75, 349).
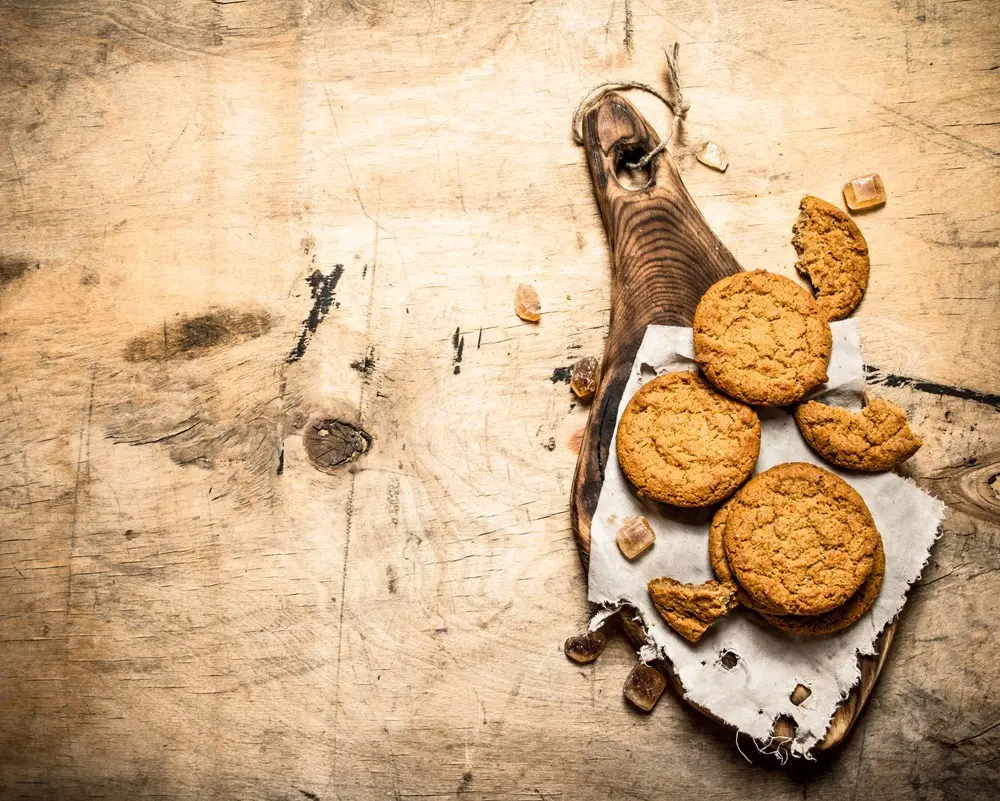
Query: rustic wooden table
(227, 222)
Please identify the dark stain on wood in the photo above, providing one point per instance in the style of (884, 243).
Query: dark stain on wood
(322, 287)
(391, 579)
(367, 364)
(564, 374)
(193, 337)
(13, 269)
(463, 785)
(874, 375)
(332, 443)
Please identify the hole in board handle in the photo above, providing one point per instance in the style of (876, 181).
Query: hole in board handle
(632, 178)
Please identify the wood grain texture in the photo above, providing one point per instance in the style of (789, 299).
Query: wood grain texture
(178, 618)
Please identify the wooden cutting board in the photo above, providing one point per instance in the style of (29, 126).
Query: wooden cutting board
(663, 258)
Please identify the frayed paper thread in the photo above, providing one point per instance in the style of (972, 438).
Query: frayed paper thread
(601, 615)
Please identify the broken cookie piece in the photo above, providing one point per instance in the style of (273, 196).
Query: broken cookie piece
(833, 254)
(872, 440)
(690, 609)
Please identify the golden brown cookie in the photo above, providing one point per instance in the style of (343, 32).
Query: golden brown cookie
(681, 442)
(872, 440)
(760, 338)
(720, 565)
(843, 616)
(832, 254)
(800, 539)
(690, 609)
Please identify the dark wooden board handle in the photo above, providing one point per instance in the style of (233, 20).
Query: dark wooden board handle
(663, 258)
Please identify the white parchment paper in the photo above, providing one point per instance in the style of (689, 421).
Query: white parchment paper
(771, 663)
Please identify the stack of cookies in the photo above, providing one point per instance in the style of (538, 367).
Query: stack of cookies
(795, 544)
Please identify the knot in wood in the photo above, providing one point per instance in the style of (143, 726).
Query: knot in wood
(332, 443)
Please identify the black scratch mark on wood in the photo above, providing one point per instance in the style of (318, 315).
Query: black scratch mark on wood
(458, 343)
(306, 793)
(974, 736)
(563, 374)
(480, 340)
(876, 376)
(281, 461)
(322, 288)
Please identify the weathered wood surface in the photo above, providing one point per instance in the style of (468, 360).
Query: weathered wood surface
(191, 608)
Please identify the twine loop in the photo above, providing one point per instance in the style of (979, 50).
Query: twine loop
(673, 99)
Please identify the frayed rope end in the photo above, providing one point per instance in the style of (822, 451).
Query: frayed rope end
(673, 99)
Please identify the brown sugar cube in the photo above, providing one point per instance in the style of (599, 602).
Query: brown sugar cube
(644, 686)
(585, 648)
(865, 192)
(526, 303)
(584, 377)
(636, 536)
(711, 155)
